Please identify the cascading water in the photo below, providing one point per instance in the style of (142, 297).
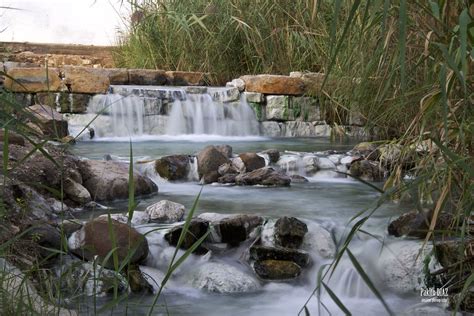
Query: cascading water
(164, 111)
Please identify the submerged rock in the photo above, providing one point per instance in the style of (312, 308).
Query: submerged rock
(261, 253)
(252, 161)
(165, 211)
(289, 232)
(276, 269)
(263, 176)
(94, 239)
(221, 278)
(209, 159)
(175, 167)
(108, 180)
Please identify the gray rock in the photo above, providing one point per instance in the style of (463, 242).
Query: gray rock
(277, 108)
(76, 192)
(318, 238)
(19, 291)
(289, 232)
(108, 180)
(254, 97)
(271, 129)
(165, 211)
(221, 278)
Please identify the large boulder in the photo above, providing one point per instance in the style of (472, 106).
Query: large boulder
(197, 229)
(231, 228)
(261, 253)
(175, 167)
(252, 161)
(274, 84)
(50, 122)
(165, 211)
(367, 170)
(108, 180)
(277, 269)
(86, 80)
(209, 159)
(222, 278)
(263, 176)
(99, 237)
(289, 232)
(33, 80)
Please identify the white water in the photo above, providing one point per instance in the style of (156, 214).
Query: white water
(168, 114)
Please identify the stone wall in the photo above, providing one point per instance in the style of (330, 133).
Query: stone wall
(281, 103)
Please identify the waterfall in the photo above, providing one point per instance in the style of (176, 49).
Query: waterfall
(163, 111)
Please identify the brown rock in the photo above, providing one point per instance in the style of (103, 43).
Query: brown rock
(147, 77)
(13, 138)
(117, 76)
(263, 176)
(173, 167)
(252, 161)
(33, 80)
(289, 232)
(209, 159)
(186, 78)
(86, 80)
(94, 239)
(273, 84)
(66, 102)
(416, 224)
(49, 121)
(367, 170)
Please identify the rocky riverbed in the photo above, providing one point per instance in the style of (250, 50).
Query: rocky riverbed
(262, 229)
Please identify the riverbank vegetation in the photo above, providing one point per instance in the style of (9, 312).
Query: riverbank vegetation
(403, 67)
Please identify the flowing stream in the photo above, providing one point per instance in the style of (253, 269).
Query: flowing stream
(328, 200)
